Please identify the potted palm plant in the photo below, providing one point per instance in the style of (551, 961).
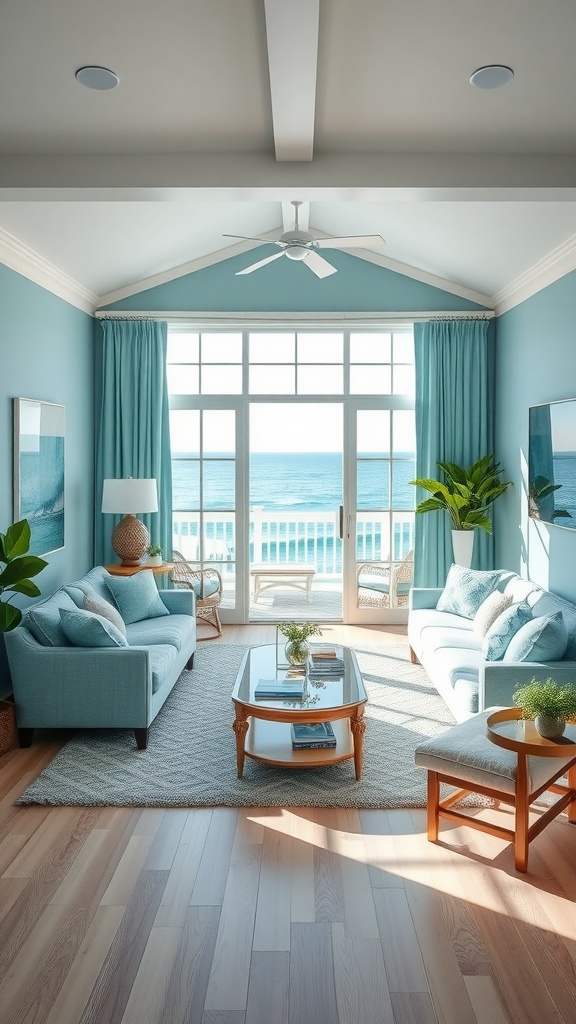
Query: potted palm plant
(550, 705)
(467, 495)
(16, 569)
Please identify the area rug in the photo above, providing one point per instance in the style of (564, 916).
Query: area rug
(191, 756)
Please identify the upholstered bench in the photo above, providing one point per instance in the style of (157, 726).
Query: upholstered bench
(466, 758)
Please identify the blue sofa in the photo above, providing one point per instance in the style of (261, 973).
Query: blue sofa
(59, 685)
(450, 649)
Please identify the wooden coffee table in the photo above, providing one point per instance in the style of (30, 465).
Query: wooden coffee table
(262, 727)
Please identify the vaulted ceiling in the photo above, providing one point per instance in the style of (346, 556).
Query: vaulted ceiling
(227, 110)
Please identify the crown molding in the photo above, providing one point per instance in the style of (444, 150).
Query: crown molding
(240, 247)
(19, 257)
(550, 268)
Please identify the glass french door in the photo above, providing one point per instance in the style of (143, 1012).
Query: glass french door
(378, 509)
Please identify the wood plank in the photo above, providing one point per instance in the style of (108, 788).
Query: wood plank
(212, 874)
(400, 949)
(328, 885)
(312, 983)
(486, 1001)
(173, 909)
(10, 847)
(166, 840)
(302, 885)
(188, 981)
(381, 857)
(86, 966)
(127, 873)
(272, 925)
(361, 986)
(359, 911)
(113, 986)
(228, 984)
(269, 988)
(34, 854)
(148, 993)
(413, 1008)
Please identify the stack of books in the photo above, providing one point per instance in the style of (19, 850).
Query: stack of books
(275, 689)
(325, 662)
(312, 735)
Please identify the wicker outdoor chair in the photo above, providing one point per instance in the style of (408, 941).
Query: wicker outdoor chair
(384, 585)
(207, 586)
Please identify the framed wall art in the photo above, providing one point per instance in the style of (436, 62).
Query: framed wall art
(39, 440)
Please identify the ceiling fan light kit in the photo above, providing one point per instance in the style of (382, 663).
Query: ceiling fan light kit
(303, 246)
(491, 76)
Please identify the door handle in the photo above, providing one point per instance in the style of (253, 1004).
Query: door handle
(341, 522)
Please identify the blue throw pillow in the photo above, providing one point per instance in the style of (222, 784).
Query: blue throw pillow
(85, 629)
(545, 638)
(43, 620)
(137, 596)
(503, 629)
(466, 589)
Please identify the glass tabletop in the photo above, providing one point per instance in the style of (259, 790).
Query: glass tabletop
(319, 692)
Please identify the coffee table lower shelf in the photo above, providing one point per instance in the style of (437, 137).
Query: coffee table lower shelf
(270, 743)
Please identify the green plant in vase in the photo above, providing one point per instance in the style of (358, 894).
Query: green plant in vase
(297, 633)
(550, 704)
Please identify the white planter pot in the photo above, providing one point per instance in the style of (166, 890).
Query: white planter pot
(154, 560)
(462, 545)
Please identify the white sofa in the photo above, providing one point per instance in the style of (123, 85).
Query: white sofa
(450, 650)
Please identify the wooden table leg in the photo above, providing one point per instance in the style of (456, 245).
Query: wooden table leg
(572, 783)
(358, 727)
(521, 812)
(240, 726)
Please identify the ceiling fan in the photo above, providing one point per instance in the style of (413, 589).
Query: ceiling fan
(301, 245)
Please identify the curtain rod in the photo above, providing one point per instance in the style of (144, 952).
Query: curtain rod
(294, 318)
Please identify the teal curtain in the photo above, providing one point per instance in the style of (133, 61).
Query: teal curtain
(133, 434)
(454, 423)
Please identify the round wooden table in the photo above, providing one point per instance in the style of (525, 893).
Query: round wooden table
(117, 569)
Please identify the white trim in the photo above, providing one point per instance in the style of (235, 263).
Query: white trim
(552, 267)
(203, 318)
(19, 257)
(292, 47)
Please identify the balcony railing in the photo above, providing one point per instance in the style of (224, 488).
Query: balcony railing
(311, 537)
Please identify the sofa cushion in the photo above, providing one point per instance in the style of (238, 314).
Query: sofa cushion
(106, 610)
(43, 620)
(174, 630)
(161, 658)
(466, 589)
(503, 629)
(92, 584)
(137, 596)
(546, 604)
(544, 638)
(85, 629)
(489, 611)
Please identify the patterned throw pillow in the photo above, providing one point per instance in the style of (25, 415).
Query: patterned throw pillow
(106, 610)
(137, 596)
(84, 629)
(466, 589)
(489, 611)
(545, 638)
(503, 629)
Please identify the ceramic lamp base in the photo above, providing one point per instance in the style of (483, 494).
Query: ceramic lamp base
(130, 540)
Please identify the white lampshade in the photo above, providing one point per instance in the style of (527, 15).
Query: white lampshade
(129, 496)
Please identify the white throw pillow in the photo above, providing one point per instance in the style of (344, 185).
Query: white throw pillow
(489, 610)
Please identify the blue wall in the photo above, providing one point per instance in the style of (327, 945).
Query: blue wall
(535, 362)
(288, 286)
(47, 352)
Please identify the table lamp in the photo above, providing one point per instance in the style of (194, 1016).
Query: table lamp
(129, 496)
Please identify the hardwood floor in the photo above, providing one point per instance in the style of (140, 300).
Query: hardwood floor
(275, 916)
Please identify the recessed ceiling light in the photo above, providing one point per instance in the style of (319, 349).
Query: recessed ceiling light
(492, 76)
(97, 78)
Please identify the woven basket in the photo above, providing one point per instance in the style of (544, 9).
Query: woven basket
(7, 726)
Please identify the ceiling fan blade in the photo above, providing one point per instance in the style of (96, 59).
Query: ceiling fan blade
(318, 265)
(261, 263)
(253, 238)
(348, 241)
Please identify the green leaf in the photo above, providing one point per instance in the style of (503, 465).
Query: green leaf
(10, 617)
(21, 569)
(26, 587)
(17, 540)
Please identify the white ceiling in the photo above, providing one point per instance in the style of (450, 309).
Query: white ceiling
(227, 109)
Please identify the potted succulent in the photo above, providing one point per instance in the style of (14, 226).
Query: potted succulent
(297, 649)
(154, 552)
(467, 495)
(16, 569)
(550, 704)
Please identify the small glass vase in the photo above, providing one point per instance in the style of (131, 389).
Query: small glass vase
(297, 652)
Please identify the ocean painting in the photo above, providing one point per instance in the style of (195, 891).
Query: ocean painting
(39, 472)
